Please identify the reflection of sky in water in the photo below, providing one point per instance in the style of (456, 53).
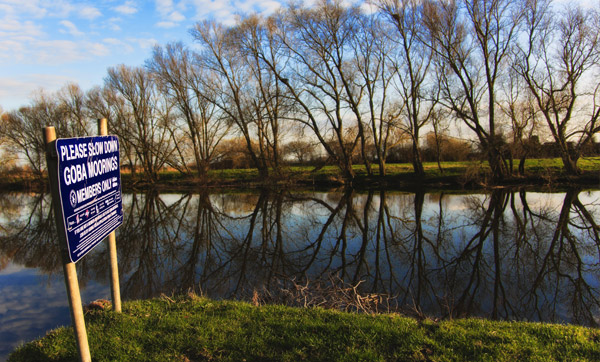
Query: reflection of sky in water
(29, 307)
(32, 304)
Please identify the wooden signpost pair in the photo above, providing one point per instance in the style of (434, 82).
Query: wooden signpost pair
(70, 272)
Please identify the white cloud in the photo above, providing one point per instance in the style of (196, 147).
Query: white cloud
(19, 30)
(144, 43)
(164, 6)
(176, 16)
(71, 28)
(15, 89)
(245, 6)
(89, 12)
(206, 6)
(219, 10)
(166, 24)
(40, 9)
(585, 4)
(6, 10)
(270, 7)
(15, 39)
(171, 13)
(96, 49)
(53, 52)
(50, 52)
(126, 47)
(226, 11)
(11, 51)
(113, 23)
(32, 8)
(128, 8)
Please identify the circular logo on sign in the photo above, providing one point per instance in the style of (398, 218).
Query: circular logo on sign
(73, 198)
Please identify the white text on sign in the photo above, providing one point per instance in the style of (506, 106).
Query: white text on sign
(73, 152)
(81, 172)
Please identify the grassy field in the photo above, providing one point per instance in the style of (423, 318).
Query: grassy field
(459, 174)
(464, 174)
(190, 328)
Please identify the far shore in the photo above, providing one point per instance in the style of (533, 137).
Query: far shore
(472, 175)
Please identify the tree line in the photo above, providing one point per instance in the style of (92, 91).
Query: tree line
(353, 81)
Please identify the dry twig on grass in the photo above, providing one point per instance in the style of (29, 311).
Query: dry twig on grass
(330, 293)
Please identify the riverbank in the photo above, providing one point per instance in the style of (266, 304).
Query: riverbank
(191, 328)
(455, 175)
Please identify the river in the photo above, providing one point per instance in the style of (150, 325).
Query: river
(503, 254)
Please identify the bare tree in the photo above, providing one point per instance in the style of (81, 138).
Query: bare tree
(73, 100)
(145, 118)
(273, 105)
(237, 90)
(22, 129)
(559, 54)
(179, 78)
(321, 77)
(104, 102)
(8, 159)
(440, 127)
(24, 137)
(472, 39)
(375, 70)
(519, 107)
(301, 151)
(414, 69)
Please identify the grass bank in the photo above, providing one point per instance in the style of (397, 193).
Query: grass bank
(458, 175)
(455, 175)
(190, 328)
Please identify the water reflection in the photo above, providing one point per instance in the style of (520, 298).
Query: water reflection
(501, 255)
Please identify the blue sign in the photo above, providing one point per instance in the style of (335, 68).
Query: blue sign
(89, 180)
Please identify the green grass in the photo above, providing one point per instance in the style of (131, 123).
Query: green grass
(460, 174)
(533, 167)
(197, 329)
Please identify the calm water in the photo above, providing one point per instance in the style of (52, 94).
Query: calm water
(510, 255)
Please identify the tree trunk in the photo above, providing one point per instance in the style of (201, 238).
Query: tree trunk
(347, 171)
(570, 163)
(438, 151)
(382, 168)
(263, 172)
(522, 165)
(416, 159)
(203, 167)
(497, 165)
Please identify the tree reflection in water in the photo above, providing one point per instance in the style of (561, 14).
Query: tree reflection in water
(27, 232)
(501, 255)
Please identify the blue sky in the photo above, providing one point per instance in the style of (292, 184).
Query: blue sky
(48, 43)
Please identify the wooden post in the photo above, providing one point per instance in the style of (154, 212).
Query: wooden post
(69, 269)
(115, 289)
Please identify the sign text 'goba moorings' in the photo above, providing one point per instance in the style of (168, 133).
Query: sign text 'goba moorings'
(89, 181)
